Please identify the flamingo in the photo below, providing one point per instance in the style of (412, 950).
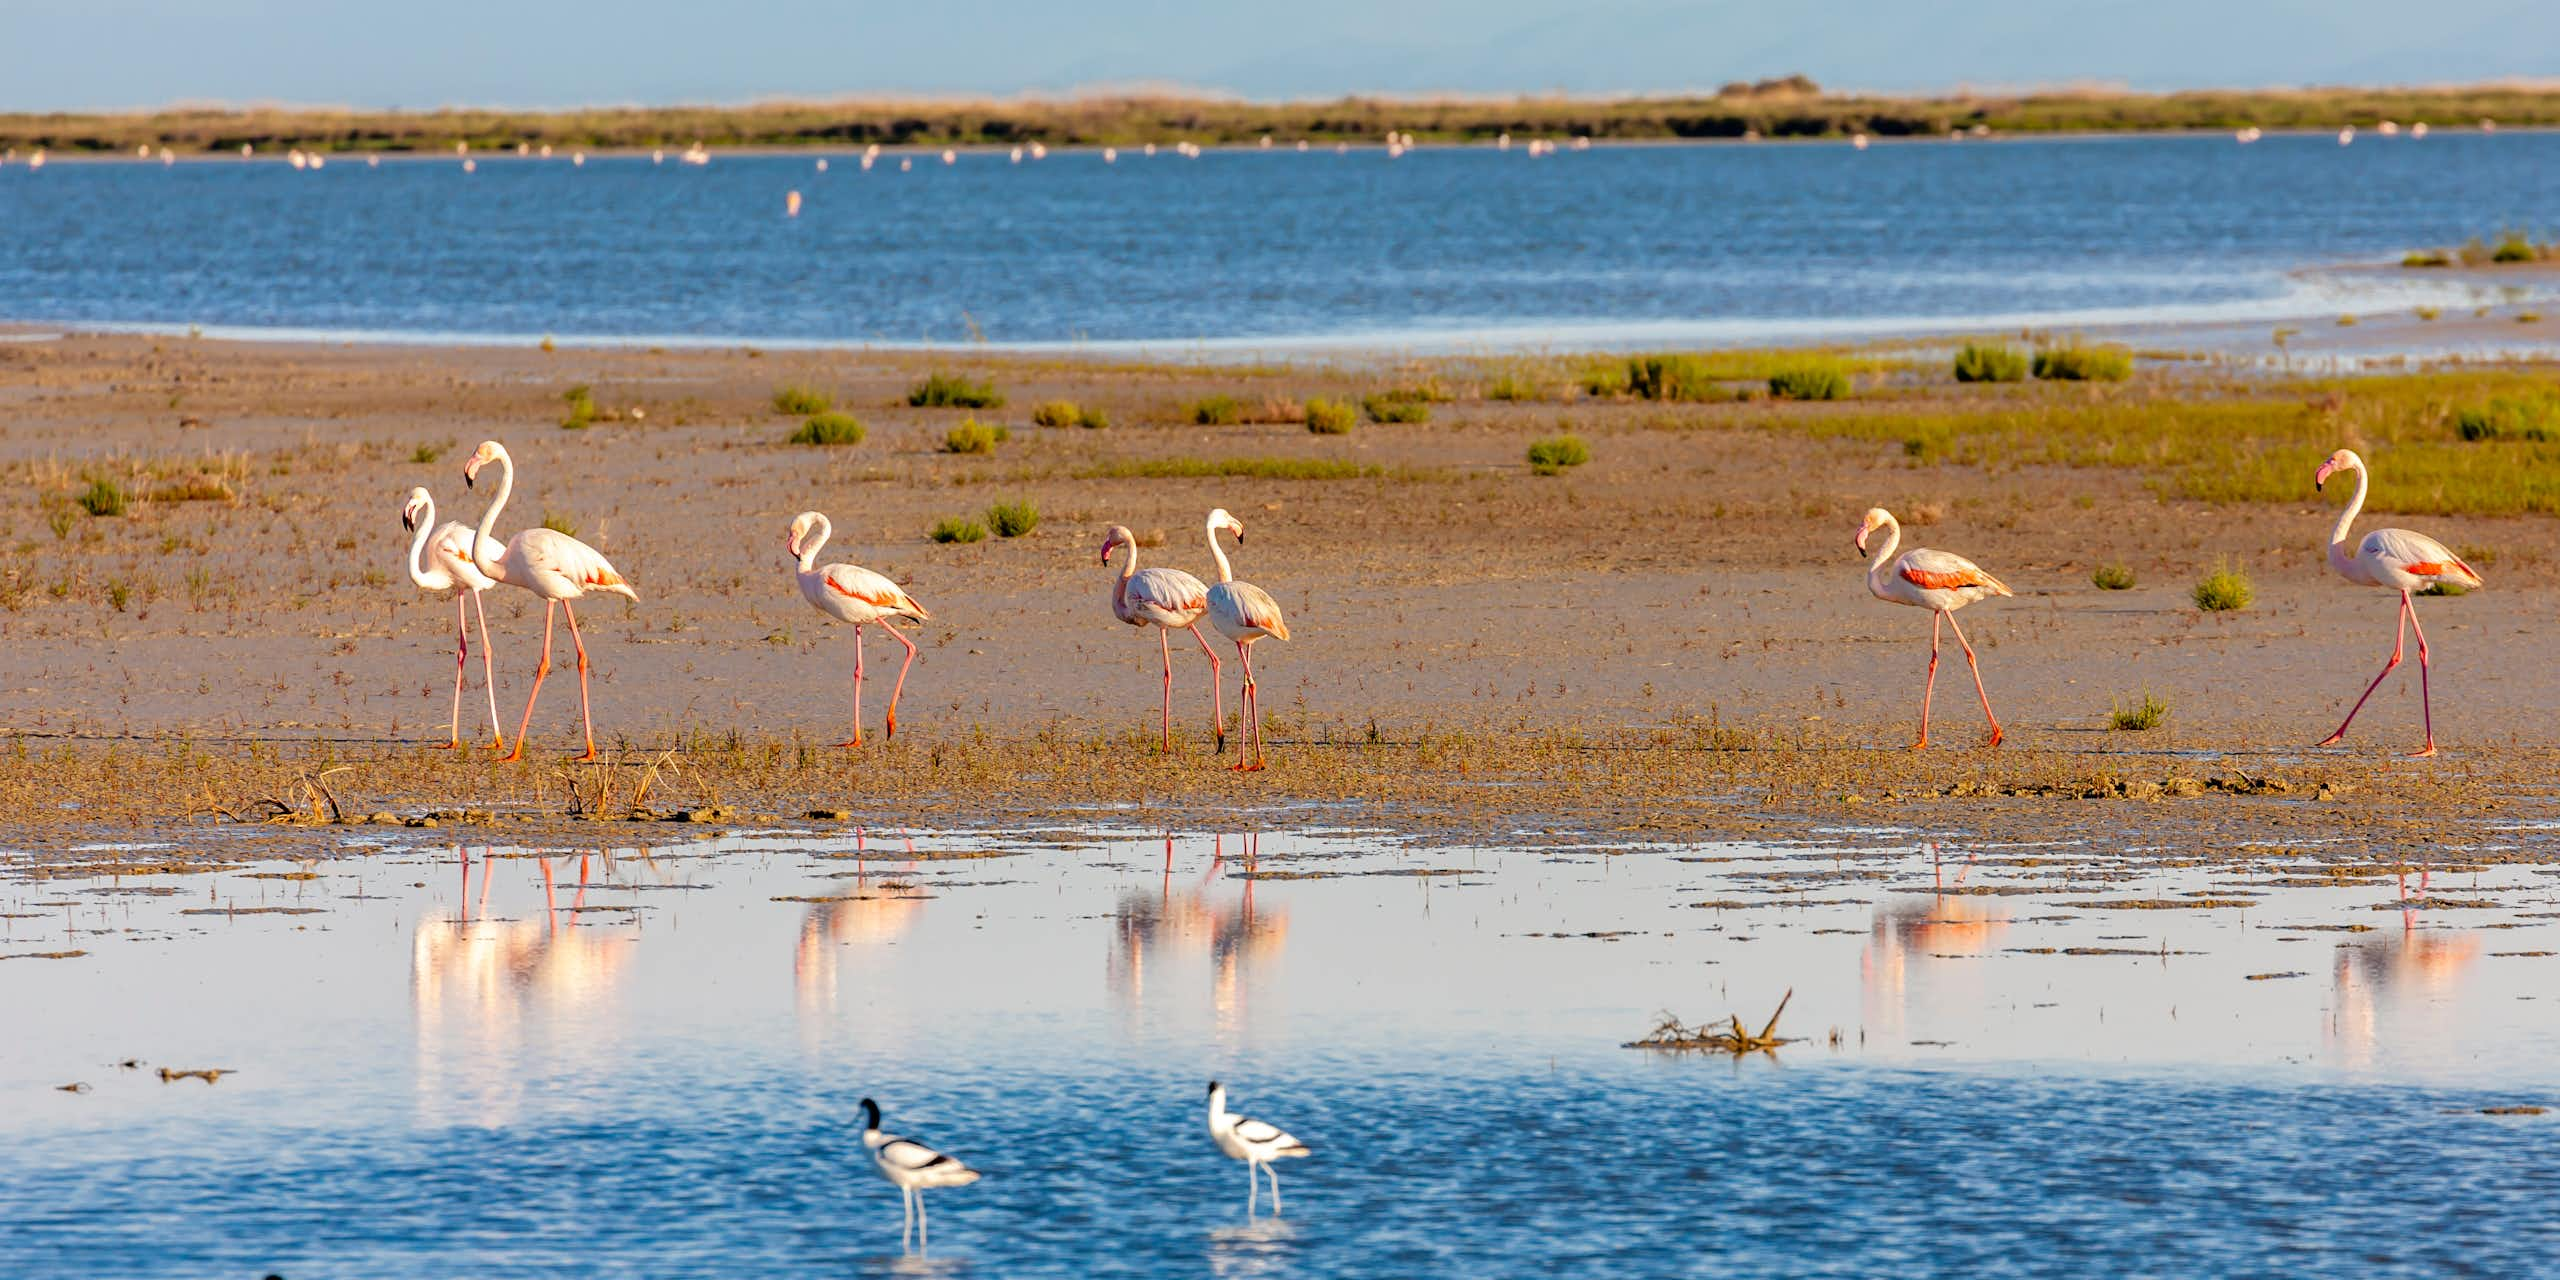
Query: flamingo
(1939, 581)
(852, 594)
(2393, 558)
(550, 564)
(911, 1167)
(1252, 1141)
(439, 559)
(1244, 613)
(1169, 600)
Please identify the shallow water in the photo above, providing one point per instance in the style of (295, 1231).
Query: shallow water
(646, 1062)
(1441, 249)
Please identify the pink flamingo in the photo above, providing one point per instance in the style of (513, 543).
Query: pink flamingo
(550, 564)
(1170, 600)
(1244, 613)
(852, 594)
(2393, 558)
(1939, 581)
(439, 559)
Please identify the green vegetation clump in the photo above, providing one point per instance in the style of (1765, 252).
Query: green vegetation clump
(2224, 590)
(1331, 417)
(1810, 378)
(1217, 411)
(2443, 587)
(582, 407)
(1395, 406)
(1671, 377)
(973, 436)
(2075, 363)
(1512, 386)
(1990, 362)
(2427, 258)
(1604, 381)
(1012, 519)
(2116, 576)
(2514, 247)
(1067, 413)
(2137, 716)
(958, 529)
(560, 524)
(1551, 455)
(829, 428)
(2530, 418)
(103, 497)
(800, 401)
(426, 453)
(951, 391)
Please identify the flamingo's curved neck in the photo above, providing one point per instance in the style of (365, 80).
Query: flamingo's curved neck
(1120, 585)
(1892, 532)
(818, 535)
(484, 550)
(1219, 554)
(419, 572)
(2339, 551)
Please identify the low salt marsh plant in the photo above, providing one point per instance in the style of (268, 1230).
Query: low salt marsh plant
(829, 429)
(2427, 258)
(1671, 377)
(1810, 378)
(1067, 413)
(952, 391)
(1512, 386)
(2529, 418)
(801, 401)
(1217, 411)
(1392, 406)
(427, 453)
(560, 523)
(1551, 455)
(1331, 417)
(2133, 717)
(958, 529)
(1990, 362)
(103, 497)
(2116, 576)
(1013, 519)
(973, 436)
(2225, 590)
(581, 402)
(2073, 362)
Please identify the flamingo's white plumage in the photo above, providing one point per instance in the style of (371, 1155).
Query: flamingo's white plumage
(439, 559)
(912, 1168)
(1939, 581)
(850, 593)
(550, 564)
(2400, 560)
(1252, 1141)
(1243, 613)
(1168, 600)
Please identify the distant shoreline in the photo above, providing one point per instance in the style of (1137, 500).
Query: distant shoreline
(1140, 119)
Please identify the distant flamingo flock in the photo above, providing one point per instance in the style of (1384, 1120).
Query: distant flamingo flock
(560, 570)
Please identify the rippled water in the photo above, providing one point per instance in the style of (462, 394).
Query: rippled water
(646, 1061)
(1441, 248)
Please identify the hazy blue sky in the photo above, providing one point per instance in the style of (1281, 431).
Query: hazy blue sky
(111, 53)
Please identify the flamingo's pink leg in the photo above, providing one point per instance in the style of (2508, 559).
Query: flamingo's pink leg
(1164, 644)
(857, 689)
(489, 676)
(461, 661)
(1930, 689)
(2426, 700)
(585, 719)
(2399, 636)
(540, 670)
(1217, 689)
(1252, 727)
(1978, 692)
(901, 686)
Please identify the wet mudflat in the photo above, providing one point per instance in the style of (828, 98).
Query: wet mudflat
(2005, 1058)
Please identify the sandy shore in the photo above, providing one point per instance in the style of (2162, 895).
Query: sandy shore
(1696, 579)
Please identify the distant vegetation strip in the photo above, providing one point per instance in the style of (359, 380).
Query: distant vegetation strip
(1788, 108)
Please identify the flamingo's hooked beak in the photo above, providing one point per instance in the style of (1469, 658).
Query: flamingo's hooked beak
(2320, 478)
(409, 519)
(1863, 531)
(1107, 549)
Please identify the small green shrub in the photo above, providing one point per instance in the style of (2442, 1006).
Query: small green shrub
(2534, 419)
(1811, 378)
(2347, 321)
(956, 529)
(2224, 590)
(60, 520)
(2113, 577)
(1067, 413)
(103, 497)
(1217, 411)
(2076, 363)
(1553, 454)
(2514, 247)
(829, 428)
(2441, 587)
(119, 593)
(800, 401)
(1012, 519)
(2427, 258)
(1671, 377)
(2135, 717)
(951, 391)
(1990, 362)
(1331, 417)
(1387, 407)
(973, 436)
(1514, 387)
(2528, 317)
(1604, 381)
(426, 453)
(582, 407)
(2429, 313)
(559, 524)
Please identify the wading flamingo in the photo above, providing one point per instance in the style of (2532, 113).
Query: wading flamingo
(1940, 582)
(1252, 1141)
(550, 564)
(2394, 558)
(1244, 613)
(852, 594)
(1169, 600)
(439, 559)
(911, 1167)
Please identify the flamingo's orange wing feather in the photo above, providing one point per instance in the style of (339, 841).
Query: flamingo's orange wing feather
(1949, 580)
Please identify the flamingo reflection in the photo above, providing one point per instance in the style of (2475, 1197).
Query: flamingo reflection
(874, 915)
(1914, 929)
(473, 979)
(1184, 919)
(2400, 979)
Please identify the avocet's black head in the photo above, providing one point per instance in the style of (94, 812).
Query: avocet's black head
(870, 1114)
(1213, 1088)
